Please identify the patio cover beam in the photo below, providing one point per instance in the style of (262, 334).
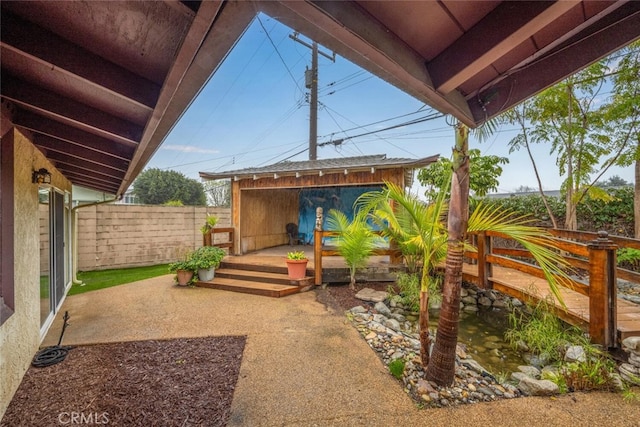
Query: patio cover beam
(605, 36)
(506, 27)
(69, 111)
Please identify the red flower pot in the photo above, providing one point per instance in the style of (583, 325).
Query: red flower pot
(297, 269)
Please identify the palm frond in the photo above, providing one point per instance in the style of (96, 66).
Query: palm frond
(536, 240)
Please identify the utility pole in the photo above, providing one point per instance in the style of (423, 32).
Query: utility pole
(311, 83)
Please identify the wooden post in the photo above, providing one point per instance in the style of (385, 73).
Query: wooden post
(207, 238)
(484, 268)
(602, 291)
(317, 247)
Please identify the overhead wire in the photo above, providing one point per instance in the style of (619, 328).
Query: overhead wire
(279, 55)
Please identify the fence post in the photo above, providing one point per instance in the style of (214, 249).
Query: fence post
(602, 291)
(484, 268)
(317, 247)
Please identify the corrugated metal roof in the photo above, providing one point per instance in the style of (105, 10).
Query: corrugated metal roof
(337, 165)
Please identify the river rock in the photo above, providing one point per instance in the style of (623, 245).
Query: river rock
(381, 308)
(575, 353)
(358, 309)
(499, 303)
(630, 373)
(530, 371)
(535, 360)
(468, 300)
(470, 308)
(395, 301)
(484, 301)
(631, 345)
(532, 387)
(368, 294)
(392, 324)
(517, 376)
(399, 317)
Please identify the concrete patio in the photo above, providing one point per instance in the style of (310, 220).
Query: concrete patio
(302, 364)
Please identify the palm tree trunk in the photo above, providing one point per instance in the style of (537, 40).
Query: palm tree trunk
(636, 200)
(441, 369)
(425, 340)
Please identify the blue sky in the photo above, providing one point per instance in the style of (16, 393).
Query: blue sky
(253, 112)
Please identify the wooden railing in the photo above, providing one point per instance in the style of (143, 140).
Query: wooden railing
(319, 252)
(208, 239)
(594, 253)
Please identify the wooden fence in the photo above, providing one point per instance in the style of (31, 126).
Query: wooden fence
(596, 256)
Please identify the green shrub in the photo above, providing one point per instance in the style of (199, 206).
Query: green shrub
(629, 258)
(542, 332)
(614, 216)
(396, 367)
(408, 286)
(207, 257)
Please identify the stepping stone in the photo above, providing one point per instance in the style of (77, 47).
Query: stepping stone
(368, 294)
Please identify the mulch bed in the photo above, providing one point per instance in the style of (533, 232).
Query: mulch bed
(341, 298)
(179, 382)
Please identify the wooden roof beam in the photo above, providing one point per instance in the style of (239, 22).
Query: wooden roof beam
(68, 110)
(36, 43)
(89, 182)
(352, 32)
(609, 34)
(42, 125)
(71, 151)
(63, 160)
(506, 27)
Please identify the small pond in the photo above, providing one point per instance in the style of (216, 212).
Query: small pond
(483, 334)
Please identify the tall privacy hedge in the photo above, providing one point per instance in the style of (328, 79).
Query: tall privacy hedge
(615, 217)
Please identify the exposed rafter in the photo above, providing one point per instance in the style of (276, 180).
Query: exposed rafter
(505, 28)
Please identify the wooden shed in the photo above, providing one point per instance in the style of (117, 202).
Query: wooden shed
(265, 199)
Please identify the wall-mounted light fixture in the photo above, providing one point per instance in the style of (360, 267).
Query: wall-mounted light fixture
(41, 176)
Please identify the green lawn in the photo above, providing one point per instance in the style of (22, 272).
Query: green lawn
(100, 279)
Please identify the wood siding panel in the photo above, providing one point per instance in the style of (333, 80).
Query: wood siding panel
(265, 215)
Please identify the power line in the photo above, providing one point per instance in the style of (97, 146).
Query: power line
(279, 55)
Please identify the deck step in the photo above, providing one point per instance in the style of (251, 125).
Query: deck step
(231, 263)
(261, 276)
(250, 287)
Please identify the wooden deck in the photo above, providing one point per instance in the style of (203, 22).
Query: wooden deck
(529, 288)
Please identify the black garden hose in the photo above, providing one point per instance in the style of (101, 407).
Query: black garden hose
(50, 356)
(55, 354)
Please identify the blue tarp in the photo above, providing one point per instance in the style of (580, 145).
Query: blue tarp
(340, 198)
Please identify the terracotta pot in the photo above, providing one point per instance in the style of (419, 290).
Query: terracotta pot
(297, 268)
(184, 276)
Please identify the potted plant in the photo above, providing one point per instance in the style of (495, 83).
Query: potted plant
(184, 269)
(206, 259)
(209, 224)
(297, 265)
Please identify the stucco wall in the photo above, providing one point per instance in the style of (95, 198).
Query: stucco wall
(119, 236)
(20, 334)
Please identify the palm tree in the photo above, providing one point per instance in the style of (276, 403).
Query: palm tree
(418, 230)
(441, 370)
(411, 222)
(356, 240)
